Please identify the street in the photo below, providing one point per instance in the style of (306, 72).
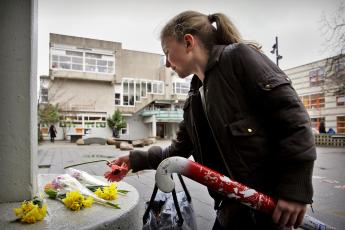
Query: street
(328, 179)
(329, 186)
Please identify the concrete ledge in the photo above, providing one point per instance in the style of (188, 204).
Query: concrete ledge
(96, 217)
(95, 140)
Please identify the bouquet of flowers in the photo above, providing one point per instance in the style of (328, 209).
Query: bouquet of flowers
(116, 173)
(72, 193)
(84, 177)
(100, 188)
(31, 211)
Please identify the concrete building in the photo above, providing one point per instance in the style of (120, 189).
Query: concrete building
(318, 84)
(90, 79)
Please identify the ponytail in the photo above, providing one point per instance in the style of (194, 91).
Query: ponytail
(227, 32)
(223, 33)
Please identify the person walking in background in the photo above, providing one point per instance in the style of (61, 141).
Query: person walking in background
(322, 127)
(242, 118)
(52, 133)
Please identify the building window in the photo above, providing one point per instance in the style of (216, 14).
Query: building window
(316, 77)
(125, 92)
(143, 89)
(149, 87)
(313, 101)
(80, 122)
(117, 99)
(181, 88)
(341, 124)
(100, 63)
(157, 87)
(137, 91)
(339, 67)
(340, 100)
(128, 92)
(131, 93)
(44, 95)
(82, 61)
(67, 60)
(124, 131)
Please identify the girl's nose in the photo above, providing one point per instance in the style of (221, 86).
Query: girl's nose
(167, 64)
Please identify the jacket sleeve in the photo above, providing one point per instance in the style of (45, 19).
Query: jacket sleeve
(181, 146)
(270, 91)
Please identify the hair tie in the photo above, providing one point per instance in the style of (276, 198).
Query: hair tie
(211, 18)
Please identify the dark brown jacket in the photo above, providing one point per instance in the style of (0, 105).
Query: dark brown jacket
(256, 130)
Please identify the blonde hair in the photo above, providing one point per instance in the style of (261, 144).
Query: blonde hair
(191, 22)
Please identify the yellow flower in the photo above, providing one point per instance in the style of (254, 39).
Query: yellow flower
(30, 212)
(75, 206)
(27, 206)
(18, 211)
(107, 192)
(88, 202)
(75, 201)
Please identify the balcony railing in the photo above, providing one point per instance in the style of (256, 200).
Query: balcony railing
(163, 114)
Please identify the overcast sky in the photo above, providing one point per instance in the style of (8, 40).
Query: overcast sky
(137, 23)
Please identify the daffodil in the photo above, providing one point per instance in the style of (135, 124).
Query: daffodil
(88, 202)
(76, 201)
(31, 211)
(107, 192)
(66, 183)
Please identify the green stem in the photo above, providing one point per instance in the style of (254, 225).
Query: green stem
(85, 163)
(108, 204)
(122, 191)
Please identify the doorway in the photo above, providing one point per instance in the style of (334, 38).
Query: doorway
(160, 130)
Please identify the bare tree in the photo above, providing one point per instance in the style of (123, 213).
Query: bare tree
(54, 90)
(333, 29)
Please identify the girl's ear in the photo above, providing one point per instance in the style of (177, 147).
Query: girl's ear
(189, 40)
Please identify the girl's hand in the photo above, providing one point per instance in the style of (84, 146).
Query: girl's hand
(289, 213)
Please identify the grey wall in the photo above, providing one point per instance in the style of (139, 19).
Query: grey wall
(68, 92)
(137, 128)
(140, 65)
(18, 98)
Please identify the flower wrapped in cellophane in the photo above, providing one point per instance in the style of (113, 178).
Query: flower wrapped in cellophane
(64, 188)
(102, 189)
(31, 211)
(84, 177)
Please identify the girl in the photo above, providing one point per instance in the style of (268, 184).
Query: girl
(242, 118)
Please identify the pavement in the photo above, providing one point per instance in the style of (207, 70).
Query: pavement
(328, 179)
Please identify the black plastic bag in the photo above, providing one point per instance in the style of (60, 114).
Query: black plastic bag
(173, 211)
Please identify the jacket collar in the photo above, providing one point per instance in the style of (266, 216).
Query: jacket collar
(215, 54)
(214, 57)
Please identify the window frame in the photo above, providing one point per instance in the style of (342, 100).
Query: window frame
(307, 101)
(340, 104)
(318, 75)
(46, 96)
(180, 88)
(60, 52)
(117, 99)
(155, 87)
(342, 128)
